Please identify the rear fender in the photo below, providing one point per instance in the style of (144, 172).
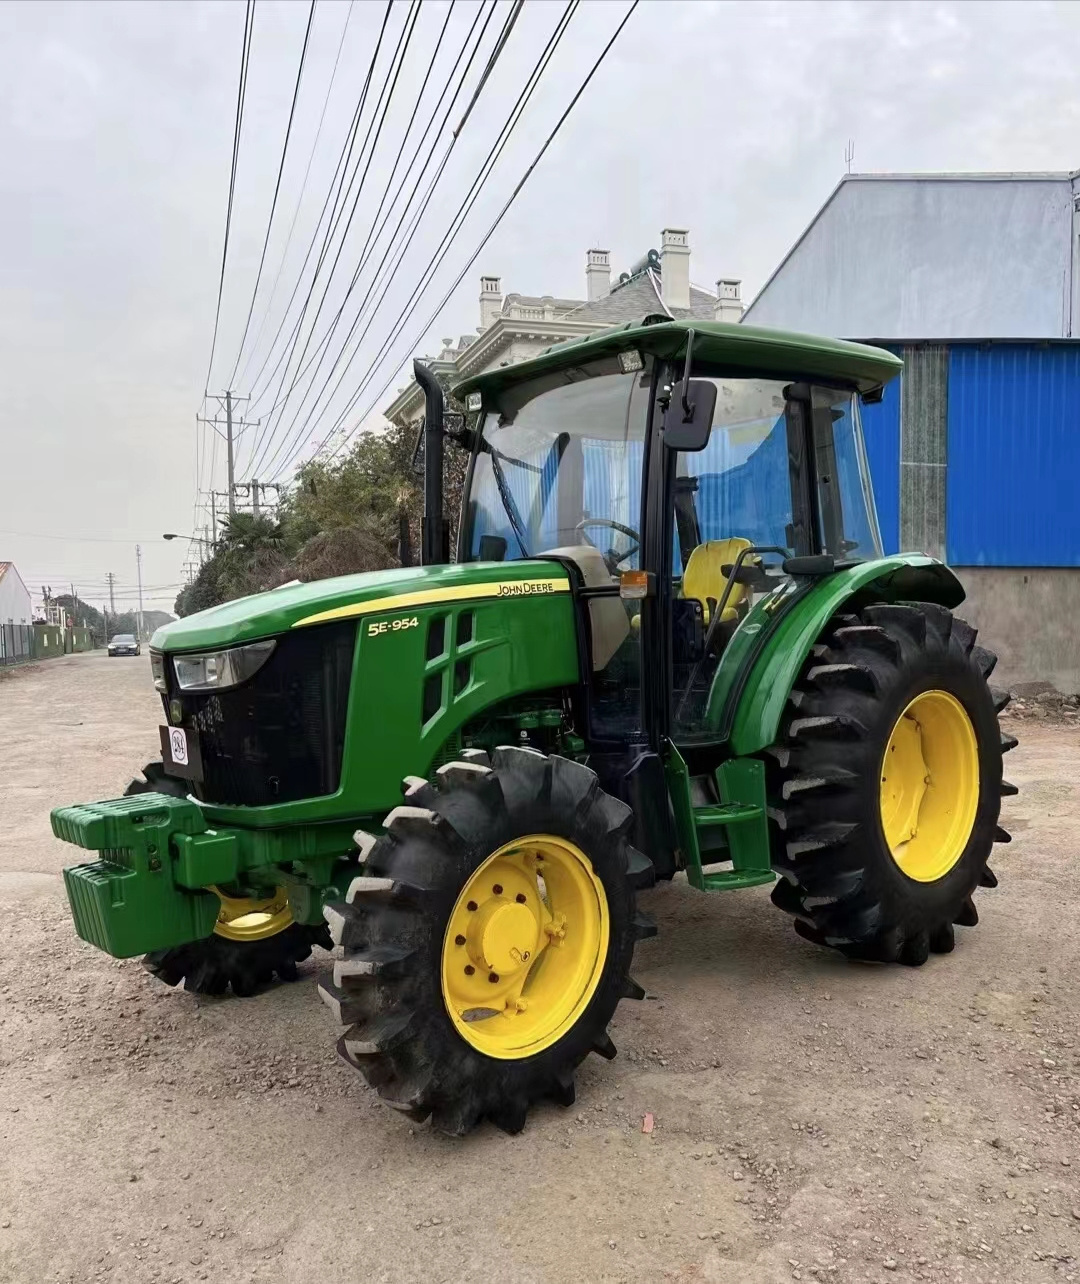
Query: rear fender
(756, 676)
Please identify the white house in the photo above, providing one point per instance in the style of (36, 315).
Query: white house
(14, 596)
(516, 326)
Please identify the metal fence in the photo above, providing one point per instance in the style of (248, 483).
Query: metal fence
(16, 643)
(22, 642)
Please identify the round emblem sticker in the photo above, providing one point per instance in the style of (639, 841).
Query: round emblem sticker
(178, 746)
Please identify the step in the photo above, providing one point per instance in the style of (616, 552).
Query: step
(736, 878)
(726, 814)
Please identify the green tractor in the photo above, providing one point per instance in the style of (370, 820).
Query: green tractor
(669, 642)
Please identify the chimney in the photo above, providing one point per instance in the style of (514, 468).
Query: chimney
(729, 306)
(597, 274)
(490, 300)
(675, 267)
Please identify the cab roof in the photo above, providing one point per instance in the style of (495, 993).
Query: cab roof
(746, 349)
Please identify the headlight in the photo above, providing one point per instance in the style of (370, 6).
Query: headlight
(157, 668)
(215, 670)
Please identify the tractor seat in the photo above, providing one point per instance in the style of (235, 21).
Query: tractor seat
(704, 578)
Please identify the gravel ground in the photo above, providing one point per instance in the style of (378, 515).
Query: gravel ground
(814, 1119)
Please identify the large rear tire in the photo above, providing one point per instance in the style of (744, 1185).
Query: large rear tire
(223, 962)
(888, 784)
(488, 940)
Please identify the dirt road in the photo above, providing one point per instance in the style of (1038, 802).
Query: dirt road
(815, 1119)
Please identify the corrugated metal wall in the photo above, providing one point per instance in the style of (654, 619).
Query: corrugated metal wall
(1014, 455)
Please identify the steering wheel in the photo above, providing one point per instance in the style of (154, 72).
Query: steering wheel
(610, 560)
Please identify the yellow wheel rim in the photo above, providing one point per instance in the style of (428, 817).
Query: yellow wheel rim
(525, 947)
(245, 918)
(930, 786)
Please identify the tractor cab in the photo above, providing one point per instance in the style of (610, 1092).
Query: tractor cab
(682, 487)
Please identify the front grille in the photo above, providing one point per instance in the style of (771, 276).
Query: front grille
(279, 736)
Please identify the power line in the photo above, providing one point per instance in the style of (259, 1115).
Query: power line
(487, 237)
(277, 189)
(338, 178)
(377, 227)
(386, 95)
(78, 539)
(292, 447)
(456, 223)
(430, 153)
(299, 204)
(241, 93)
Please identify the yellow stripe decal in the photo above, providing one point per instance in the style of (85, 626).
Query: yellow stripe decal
(428, 597)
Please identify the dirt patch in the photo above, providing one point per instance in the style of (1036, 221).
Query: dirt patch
(814, 1119)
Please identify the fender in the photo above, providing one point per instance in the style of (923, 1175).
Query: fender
(767, 653)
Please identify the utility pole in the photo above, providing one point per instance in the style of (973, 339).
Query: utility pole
(138, 571)
(233, 427)
(229, 442)
(110, 579)
(255, 496)
(213, 518)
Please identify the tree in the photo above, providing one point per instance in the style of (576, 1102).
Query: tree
(341, 516)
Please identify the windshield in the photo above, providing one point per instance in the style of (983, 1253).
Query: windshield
(124, 638)
(561, 466)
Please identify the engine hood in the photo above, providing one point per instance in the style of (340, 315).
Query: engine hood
(301, 605)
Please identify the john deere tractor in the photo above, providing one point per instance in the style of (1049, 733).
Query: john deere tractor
(668, 644)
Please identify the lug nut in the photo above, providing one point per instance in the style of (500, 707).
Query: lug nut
(497, 889)
(493, 978)
(469, 969)
(459, 940)
(520, 898)
(471, 906)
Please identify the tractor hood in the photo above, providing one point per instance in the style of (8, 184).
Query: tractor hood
(401, 589)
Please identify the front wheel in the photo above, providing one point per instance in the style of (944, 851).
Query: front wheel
(488, 940)
(888, 784)
(253, 942)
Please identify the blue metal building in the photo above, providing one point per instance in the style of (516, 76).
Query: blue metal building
(974, 280)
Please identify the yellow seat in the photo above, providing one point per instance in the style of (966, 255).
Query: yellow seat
(703, 577)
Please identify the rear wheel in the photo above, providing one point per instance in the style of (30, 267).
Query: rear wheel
(488, 940)
(254, 940)
(888, 784)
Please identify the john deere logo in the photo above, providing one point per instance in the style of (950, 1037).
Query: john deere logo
(525, 588)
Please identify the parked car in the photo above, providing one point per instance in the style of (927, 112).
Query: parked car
(125, 644)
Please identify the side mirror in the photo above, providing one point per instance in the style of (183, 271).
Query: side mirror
(689, 416)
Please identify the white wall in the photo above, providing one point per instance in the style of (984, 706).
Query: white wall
(14, 599)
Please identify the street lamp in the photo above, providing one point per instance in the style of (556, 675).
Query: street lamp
(195, 539)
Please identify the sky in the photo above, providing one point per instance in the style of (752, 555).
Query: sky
(116, 134)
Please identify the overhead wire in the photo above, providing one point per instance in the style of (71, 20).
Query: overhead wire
(277, 190)
(375, 231)
(386, 95)
(456, 223)
(338, 178)
(299, 202)
(321, 348)
(424, 166)
(476, 253)
(241, 94)
(295, 443)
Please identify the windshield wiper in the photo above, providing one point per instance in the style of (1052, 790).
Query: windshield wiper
(507, 498)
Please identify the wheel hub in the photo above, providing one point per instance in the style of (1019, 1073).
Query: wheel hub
(525, 946)
(249, 918)
(502, 936)
(930, 786)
